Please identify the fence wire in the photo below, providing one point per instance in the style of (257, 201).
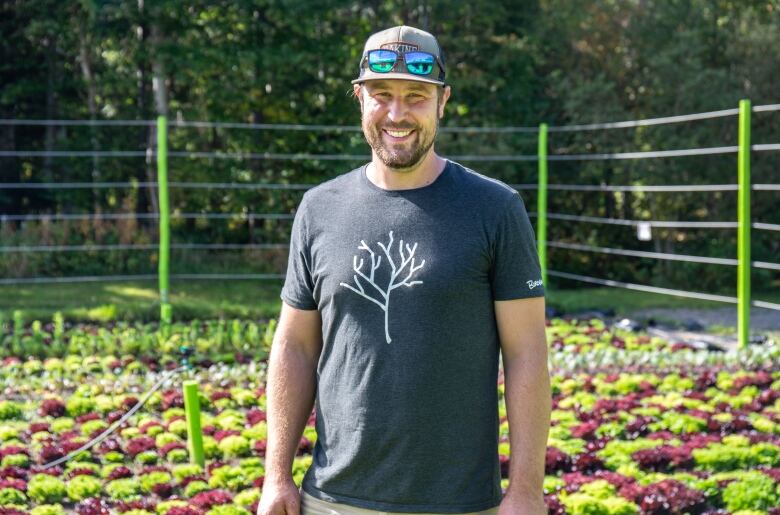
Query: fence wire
(664, 291)
(347, 157)
(142, 246)
(172, 184)
(356, 128)
(644, 123)
(275, 156)
(137, 277)
(661, 255)
(669, 224)
(145, 216)
(765, 227)
(683, 188)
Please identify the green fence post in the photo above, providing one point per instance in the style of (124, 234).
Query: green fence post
(541, 204)
(743, 231)
(165, 227)
(194, 431)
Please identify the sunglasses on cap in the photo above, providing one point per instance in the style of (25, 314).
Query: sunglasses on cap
(416, 62)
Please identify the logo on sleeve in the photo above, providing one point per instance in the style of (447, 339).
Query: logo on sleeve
(533, 284)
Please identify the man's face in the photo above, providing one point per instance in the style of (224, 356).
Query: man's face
(400, 119)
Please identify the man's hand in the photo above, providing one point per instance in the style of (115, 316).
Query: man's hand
(522, 505)
(528, 401)
(291, 386)
(280, 499)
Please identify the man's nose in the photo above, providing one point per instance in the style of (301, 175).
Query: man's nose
(397, 109)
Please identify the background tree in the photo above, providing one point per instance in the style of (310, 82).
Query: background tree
(284, 61)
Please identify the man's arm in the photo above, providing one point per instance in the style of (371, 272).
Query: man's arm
(290, 391)
(528, 401)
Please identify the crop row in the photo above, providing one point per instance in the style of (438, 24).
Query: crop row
(575, 345)
(620, 443)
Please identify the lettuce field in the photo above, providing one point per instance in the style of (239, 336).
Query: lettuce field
(639, 425)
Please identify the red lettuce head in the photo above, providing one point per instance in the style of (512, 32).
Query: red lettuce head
(140, 444)
(211, 498)
(52, 408)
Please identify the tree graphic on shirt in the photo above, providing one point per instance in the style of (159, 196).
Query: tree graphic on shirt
(401, 273)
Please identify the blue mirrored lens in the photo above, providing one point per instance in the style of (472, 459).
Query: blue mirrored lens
(381, 61)
(419, 63)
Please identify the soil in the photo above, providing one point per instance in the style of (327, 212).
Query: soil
(701, 328)
(708, 328)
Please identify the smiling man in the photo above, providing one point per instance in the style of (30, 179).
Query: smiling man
(406, 278)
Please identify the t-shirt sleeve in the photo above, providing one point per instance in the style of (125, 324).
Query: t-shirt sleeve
(298, 289)
(515, 271)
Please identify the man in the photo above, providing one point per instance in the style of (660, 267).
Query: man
(406, 277)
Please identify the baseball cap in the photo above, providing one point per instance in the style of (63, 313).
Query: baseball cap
(402, 39)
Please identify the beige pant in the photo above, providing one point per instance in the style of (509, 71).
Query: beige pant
(313, 506)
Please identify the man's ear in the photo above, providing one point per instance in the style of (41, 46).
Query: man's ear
(357, 90)
(444, 97)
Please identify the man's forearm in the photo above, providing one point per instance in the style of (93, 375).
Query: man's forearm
(528, 403)
(290, 393)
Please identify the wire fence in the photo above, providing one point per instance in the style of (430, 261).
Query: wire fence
(142, 246)
(743, 225)
(364, 157)
(146, 216)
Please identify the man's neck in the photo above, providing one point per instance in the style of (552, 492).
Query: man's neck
(421, 175)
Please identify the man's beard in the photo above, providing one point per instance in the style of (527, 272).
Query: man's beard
(407, 155)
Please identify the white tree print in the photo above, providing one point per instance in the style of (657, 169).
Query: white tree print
(404, 269)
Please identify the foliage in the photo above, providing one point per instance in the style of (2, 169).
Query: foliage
(10, 410)
(234, 446)
(211, 447)
(612, 446)
(92, 426)
(195, 487)
(269, 62)
(12, 496)
(718, 457)
(247, 497)
(113, 457)
(229, 478)
(122, 489)
(43, 488)
(147, 457)
(8, 432)
(48, 509)
(82, 487)
(228, 509)
(755, 491)
(585, 504)
(83, 466)
(163, 438)
(213, 339)
(177, 456)
(186, 470)
(165, 506)
(15, 460)
(79, 406)
(258, 431)
(211, 498)
(148, 481)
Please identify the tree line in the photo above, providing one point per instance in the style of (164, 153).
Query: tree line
(291, 61)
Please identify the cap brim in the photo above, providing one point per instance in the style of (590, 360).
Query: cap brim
(369, 75)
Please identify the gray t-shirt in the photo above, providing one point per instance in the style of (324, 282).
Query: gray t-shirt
(407, 417)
